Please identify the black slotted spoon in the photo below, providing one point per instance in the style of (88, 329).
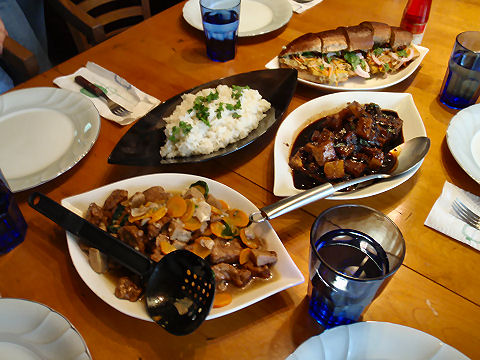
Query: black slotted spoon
(179, 288)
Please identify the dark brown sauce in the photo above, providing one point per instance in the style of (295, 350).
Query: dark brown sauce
(303, 181)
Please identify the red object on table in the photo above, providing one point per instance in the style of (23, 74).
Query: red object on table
(415, 17)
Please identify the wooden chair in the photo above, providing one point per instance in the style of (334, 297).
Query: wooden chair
(21, 63)
(93, 21)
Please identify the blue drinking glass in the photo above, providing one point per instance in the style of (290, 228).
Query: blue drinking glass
(220, 20)
(12, 224)
(354, 252)
(461, 85)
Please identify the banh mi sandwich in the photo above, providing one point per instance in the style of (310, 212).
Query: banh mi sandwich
(365, 50)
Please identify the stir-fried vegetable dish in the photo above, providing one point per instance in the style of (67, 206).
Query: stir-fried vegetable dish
(156, 222)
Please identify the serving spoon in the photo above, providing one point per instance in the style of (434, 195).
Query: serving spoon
(179, 288)
(408, 155)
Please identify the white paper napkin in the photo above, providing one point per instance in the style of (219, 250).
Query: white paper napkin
(442, 217)
(118, 90)
(301, 7)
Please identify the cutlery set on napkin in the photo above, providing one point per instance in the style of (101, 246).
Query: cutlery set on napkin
(442, 217)
(116, 88)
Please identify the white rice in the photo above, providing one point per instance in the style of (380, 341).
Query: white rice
(204, 139)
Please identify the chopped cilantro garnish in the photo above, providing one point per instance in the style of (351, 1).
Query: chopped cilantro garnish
(402, 53)
(308, 54)
(173, 136)
(183, 127)
(386, 67)
(321, 67)
(236, 115)
(219, 110)
(237, 91)
(227, 230)
(352, 59)
(378, 51)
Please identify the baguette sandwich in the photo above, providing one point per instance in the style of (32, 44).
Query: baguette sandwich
(365, 50)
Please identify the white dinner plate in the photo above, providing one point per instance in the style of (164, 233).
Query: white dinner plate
(285, 272)
(32, 331)
(44, 132)
(463, 139)
(358, 83)
(257, 17)
(375, 340)
(312, 110)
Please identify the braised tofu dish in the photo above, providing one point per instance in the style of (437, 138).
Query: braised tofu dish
(348, 144)
(156, 222)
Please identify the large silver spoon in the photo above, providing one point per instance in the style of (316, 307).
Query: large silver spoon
(408, 155)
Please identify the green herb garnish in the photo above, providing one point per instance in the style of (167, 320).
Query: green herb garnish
(386, 67)
(378, 51)
(352, 59)
(182, 127)
(402, 53)
(219, 110)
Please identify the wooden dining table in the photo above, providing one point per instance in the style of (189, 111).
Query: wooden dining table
(437, 288)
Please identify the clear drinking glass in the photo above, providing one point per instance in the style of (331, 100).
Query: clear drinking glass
(354, 251)
(461, 85)
(220, 20)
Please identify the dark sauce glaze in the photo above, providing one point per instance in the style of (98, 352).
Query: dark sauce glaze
(303, 181)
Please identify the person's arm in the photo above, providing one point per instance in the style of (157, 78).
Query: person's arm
(3, 35)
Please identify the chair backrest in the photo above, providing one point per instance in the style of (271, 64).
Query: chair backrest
(93, 21)
(21, 63)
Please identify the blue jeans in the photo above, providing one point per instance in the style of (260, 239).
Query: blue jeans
(25, 23)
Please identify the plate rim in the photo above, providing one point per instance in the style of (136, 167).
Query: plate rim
(283, 185)
(272, 26)
(368, 326)
(44, 306)
(73, 247)
(21, 184)
(412, 67)
(470, 167)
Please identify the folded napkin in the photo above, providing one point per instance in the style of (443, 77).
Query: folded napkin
(118, 90)
(301, 7)
(442, 217)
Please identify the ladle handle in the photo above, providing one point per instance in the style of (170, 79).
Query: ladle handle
(93, 235)
(306, 197)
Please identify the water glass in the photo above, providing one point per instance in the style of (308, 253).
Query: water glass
(461, 85)
(220, 20)
(354, 252)
(12, 224)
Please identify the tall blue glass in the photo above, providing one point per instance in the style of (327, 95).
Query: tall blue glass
(354, 252)
(220, 24)
(12, 224)
(461, 85)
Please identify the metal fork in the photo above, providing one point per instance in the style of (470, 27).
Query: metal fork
(115, 108)
(465, 214)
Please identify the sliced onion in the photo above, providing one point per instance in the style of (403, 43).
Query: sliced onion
(410, 54)
(395, 56)
(376, 60)
(360, 72)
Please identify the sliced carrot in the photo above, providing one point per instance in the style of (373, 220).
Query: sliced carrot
(177, 206)
(237, 218)
(192, 224)
(158, 214)
(190, 210)
(166, 247)
(251, 243)
(207, 232)
(215, 210)
(244, 256)
(200, 250)
(222, 299)
(218, 228)
(223, 205)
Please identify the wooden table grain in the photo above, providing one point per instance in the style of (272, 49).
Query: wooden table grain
(437, 289)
